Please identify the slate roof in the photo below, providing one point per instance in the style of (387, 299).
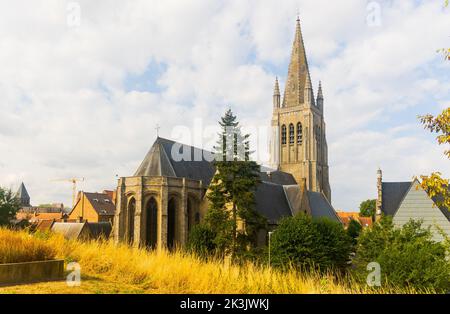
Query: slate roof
(271, 202)
(23, 196)
(277, 177)
(102, 203)
(393, 194)
(276, 201)
(160, 161)
(320, 207)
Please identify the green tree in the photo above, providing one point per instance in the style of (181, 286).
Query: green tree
(407, 256)
(302, 242)
(9, 205)
(232, 189)
(354, 229)
(367, 208)
(201, 241)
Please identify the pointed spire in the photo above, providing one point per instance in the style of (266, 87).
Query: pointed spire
(320, 96)
(309, 94)
(23, 196)
(276, 91)
(320, 93)
(298, 71)
(276, 95)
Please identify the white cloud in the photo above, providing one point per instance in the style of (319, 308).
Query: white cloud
(66, 110)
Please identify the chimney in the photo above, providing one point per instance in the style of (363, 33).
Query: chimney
(379, 202)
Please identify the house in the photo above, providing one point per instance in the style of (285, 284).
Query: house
(93, 207)
(408, 200)
(346, 217)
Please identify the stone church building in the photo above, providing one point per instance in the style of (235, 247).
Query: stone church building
(159, 204)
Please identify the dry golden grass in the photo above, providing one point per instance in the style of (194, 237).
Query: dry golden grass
(16, 247)
(107, 267)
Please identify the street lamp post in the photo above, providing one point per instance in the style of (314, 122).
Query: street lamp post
(270, 235)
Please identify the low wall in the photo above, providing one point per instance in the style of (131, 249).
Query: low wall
(17, 273)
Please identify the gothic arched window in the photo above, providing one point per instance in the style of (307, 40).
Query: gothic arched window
(299, 133)
(291, 134)
(283, 134)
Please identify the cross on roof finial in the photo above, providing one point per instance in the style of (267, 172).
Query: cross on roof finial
(298, 15)
(157, 130)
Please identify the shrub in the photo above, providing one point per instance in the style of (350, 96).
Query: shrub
(408, 256)
(354, 230)
(301, 242)
(18, 247)
(201, 240)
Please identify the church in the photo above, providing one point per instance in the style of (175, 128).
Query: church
(157, 206)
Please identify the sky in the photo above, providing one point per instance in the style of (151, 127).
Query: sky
(85, 84)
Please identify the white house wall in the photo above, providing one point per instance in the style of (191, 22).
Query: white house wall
(418, 205)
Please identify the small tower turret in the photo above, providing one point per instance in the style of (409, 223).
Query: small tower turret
(320, 97)
(379, 202)
(309, 94)
(276, 95)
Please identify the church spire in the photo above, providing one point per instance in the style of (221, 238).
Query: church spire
(276, 94)
(298, 72)
(320, 97)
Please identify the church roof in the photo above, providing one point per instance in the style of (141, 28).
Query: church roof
(276, 201)
(22, 195)
(298, 73)
(271, 202)
(320, 207)
(277, 177)
(172, 159)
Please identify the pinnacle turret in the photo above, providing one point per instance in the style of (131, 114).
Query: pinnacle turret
(276, 95)
(320, 97)
(309, 94)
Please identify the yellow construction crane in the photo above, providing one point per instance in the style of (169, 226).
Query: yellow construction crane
(74, 187)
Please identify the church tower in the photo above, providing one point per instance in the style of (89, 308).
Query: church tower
(298, 144)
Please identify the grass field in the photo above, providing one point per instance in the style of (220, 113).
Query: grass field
(110, 268)
(16, 247)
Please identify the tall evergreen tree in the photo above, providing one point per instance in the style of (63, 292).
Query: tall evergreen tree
(232, 190)
(9, 205)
